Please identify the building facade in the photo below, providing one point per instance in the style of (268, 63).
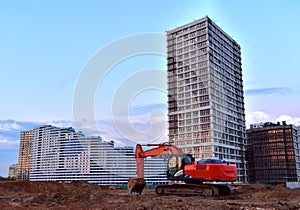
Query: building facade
(273, 153)
(52, 152)
(13, 171)
(205, 93)
(24, 155)
(61, 154)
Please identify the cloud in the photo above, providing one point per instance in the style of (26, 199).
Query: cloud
(141, 117)
(7, 125)
(140, 131)
(268, 91)
(10, 133)
(141, 120)
(259, 116)
(143, 124)
(60, 123)
(142, 110)
(289, 119)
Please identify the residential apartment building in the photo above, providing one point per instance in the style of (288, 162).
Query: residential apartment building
(24, 155)
(52, 151)
(273, 153)
(61, 154)
(205, 93)
(13, 171)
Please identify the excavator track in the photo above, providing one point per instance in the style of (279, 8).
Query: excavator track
(206, 190)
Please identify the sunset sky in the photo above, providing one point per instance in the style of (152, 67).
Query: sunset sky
(46, 45)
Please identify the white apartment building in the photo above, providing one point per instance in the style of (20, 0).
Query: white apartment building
(61, 154)
(205, 93)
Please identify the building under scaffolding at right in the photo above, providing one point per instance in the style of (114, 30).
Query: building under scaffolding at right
(273, 153)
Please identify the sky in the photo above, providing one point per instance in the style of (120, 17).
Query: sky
(47, 46)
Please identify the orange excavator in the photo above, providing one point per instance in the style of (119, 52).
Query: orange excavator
(191, 177)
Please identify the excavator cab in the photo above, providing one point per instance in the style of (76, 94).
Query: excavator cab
(176, 163)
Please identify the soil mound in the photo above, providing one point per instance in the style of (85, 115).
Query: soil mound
(82, 195)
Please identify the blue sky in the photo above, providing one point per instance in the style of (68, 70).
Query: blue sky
(45, 45)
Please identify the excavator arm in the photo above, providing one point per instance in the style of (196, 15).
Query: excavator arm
(161, 149)
(136, 185)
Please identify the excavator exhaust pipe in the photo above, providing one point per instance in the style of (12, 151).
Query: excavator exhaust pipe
(136, 185)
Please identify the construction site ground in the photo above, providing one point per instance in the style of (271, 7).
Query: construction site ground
(81, 195)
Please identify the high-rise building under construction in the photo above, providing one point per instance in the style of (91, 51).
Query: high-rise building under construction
(205, 93)
(273, 153)
(24, 155)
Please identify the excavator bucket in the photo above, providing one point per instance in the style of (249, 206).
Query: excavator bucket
(136, 185)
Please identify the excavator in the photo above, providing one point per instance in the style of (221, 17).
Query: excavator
(188, 176)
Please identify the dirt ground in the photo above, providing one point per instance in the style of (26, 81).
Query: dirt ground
(81, 195)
